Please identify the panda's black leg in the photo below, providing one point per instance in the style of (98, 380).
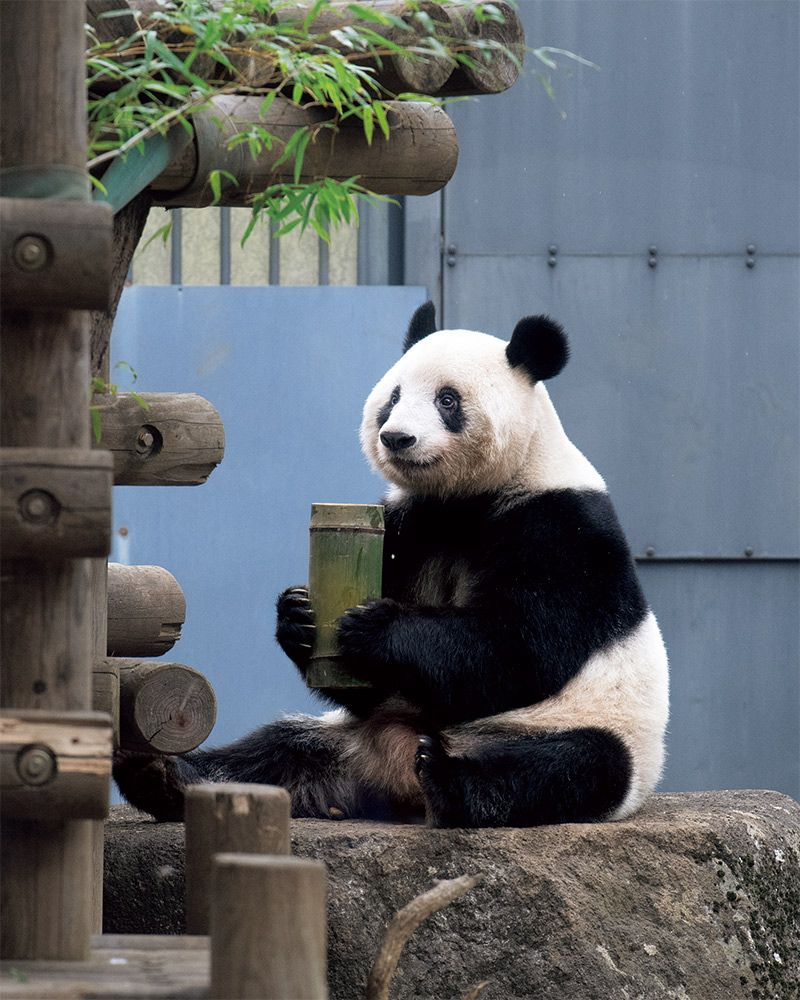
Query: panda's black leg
(577, 776)
(307, 757)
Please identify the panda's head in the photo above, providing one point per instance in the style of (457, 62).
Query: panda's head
(457, 413)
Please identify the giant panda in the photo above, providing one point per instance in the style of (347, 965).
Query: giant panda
(517, 675)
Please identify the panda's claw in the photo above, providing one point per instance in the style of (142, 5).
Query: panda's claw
(426, 753)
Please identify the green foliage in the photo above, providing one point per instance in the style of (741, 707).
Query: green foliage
(99, 387)
(189, 51)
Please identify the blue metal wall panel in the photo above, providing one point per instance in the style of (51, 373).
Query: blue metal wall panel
(683, 387)
(686, 136)
(733, 636)
(288, 369)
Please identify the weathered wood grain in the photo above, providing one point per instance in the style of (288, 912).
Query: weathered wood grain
(164, 707)
(229, 818)
(419, 157)
(146, 609)
(54, 764)
(268, 930)
(160, 438)
(55, 503)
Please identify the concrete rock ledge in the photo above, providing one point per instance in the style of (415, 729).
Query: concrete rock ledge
(696, 898)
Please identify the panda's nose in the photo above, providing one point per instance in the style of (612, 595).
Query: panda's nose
(397, 440)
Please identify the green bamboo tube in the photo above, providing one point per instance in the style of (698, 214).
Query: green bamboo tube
(344, 570)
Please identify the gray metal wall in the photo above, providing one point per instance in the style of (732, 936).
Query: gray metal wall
(683, 387)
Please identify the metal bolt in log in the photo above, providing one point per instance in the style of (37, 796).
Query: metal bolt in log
(419, 157)
(54, 764)
(54, 254)
(160, 438)
(344, 570)
(146, 609)
(55, 503)
(229, 818)
(268, 928)
(164, 707)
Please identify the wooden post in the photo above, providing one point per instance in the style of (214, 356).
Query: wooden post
(46, 609)
(268, 931)
(344, 570)
(229, 818)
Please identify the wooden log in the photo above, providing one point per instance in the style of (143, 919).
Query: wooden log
(55, 503)
(268, 933)
(54, 254)
(419, 157)
(175, 439)
(164, 707)
(492, 70)
(425, 73)
(229, 818)
(105, 690)
(344, 570)
(54, 764)
(146, 609)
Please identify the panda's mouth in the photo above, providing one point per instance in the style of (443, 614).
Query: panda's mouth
(403, 462)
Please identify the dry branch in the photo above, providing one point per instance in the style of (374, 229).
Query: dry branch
(405, 923)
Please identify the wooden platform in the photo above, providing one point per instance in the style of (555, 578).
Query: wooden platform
(121, 967)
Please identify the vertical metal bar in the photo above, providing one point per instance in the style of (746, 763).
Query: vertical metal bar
(274, 255)
(224, 246)
(324, 263)
(395, 249)
(176, 237)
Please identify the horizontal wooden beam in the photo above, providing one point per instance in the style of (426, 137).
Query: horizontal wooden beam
(160, 438)
(54, 765)
(146, 609)
(55, 254)
(105, 691)
(419, 157)
(164, 707)
(55, 503)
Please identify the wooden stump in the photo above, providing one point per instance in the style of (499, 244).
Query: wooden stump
(268, 928)
(229, 818)
(146, 610)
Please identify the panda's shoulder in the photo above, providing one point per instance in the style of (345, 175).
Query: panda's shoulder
(554, 518)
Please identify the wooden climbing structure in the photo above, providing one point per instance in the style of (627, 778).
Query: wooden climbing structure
(75, 631)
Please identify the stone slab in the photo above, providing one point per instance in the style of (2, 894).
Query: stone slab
(695, 898)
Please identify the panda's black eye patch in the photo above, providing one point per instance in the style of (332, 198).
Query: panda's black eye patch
(448, 403)
(386, 409)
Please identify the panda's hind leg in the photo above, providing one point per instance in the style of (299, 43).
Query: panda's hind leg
(309, 757)
(574, 776)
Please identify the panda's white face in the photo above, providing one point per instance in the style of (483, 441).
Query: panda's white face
(451, 417)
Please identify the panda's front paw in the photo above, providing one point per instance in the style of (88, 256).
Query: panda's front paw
(295, 627)
(364, 633)
(437, 774)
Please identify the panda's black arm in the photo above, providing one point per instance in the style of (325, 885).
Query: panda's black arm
(455, 663)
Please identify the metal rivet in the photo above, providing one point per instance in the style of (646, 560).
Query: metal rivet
(748, 551)
(30, 253)
(38, 507)
(751, 248)
(751, 262)
(123, 532)
(649, 551)
(451, 255)
(652, 260)
(553, 252)
(36, 765)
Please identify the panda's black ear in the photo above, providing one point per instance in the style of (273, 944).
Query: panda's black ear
(539, 345)
(422, 323)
